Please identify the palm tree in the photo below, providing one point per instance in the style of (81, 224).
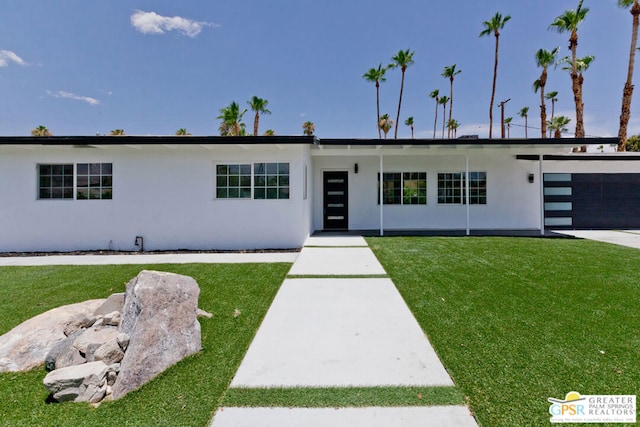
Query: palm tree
(182, 132)
(435, 95)
(581, 65)
(231, 117)
(403, 59)
(569, 22)
(494, 26)
(524, 112)
(454, 125)
(544, 59)
(269, 132)
(409, 122)
(117, 132)
(450, 73)
(376, 75)
(385, 124)
(443, 101)
(507, 122)
(627, 92)
(553, 97)
(258, 105)
(41, 131)
(308, 128)
(558, 125)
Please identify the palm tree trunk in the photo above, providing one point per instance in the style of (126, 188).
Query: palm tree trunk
(543, 105)
(576, 86)
(526, 127)
(411, 131)
(395, 135)
(444, 117)
(378, 108)
(627, 93)
(435, 121)
(256, 120)
(493, 89)
(450, 103)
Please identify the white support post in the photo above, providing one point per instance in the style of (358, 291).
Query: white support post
(467, 198)
(381, 198)
(540, 173)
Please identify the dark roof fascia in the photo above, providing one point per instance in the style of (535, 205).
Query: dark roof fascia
(155, 140)
(583, 157)
(569, 142)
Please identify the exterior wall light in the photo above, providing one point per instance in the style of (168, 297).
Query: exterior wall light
(355, 168)
(531, 178)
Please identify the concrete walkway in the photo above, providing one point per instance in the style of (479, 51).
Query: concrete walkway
(629, 238)
(335, 331)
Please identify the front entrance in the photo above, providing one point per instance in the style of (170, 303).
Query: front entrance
(336, 200)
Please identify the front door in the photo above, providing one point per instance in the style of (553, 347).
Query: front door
(336, 197)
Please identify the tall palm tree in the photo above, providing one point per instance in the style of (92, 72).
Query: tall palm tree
(258, 105)
(41, 131)
(435, 95)
(231, 117)
(182, 132)
(569, 21)
(553, 97)
(524, 112)
(493, 26)
(443, 101)
(376, 75)
(308, 128)
(385, 124)
(403, 59)
(544, 59)
(558, 125)
(450, 72)
(409, 122)
(627, 92)
(454, 125)
(117, 132)
(581, 65)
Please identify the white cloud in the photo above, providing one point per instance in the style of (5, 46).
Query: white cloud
(7, 56)
(152, 23)
(69, 95)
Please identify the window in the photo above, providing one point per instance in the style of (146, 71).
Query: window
(452, 188)
(271, 180)
(263, 181)
(55, 181)
(403, 188)
(233, 181)
(94, 181)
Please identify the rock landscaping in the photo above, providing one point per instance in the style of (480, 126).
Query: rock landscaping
(103, 349)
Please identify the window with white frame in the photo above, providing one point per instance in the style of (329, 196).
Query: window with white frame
(94, 181)
(233, 181)
(83, 181)
(262, 181)
(452, 188)
(403, 188)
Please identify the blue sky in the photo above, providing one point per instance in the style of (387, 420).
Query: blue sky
(81, 67)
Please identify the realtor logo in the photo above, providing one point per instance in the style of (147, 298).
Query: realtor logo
(576, 408)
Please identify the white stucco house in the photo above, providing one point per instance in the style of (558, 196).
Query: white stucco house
(229, 193)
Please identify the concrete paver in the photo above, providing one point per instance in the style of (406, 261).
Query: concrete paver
(340, 332)
(421, 416)
(629, 238)
(336, 262)
(327, 240)
(168, 258)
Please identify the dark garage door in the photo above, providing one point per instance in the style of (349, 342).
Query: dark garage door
(594, 200)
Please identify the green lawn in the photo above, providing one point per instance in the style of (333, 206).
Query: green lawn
(186, 394)
(518, 320)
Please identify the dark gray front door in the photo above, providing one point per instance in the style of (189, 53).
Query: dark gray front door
(335, 204)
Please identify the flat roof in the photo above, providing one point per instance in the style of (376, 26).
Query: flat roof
(302, 139)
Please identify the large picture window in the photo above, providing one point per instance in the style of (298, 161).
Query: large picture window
(263, 181)
(94, 181)
(233, 181)
(403, 188)
(452, 188)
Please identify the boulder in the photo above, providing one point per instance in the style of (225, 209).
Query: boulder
(26, 346)
(114, 302)
(159, 316)
(58, 349)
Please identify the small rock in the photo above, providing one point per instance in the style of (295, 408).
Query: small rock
(98, 323)
(109, 352)
(123, 341)
(202, 313)
(74, 376)
(91, 339)
(112, 319)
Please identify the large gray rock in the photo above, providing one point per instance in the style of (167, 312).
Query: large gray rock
(159, 316)
(57, 350)
(26, 346)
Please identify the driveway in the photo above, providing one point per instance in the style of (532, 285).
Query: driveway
(630, 238)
